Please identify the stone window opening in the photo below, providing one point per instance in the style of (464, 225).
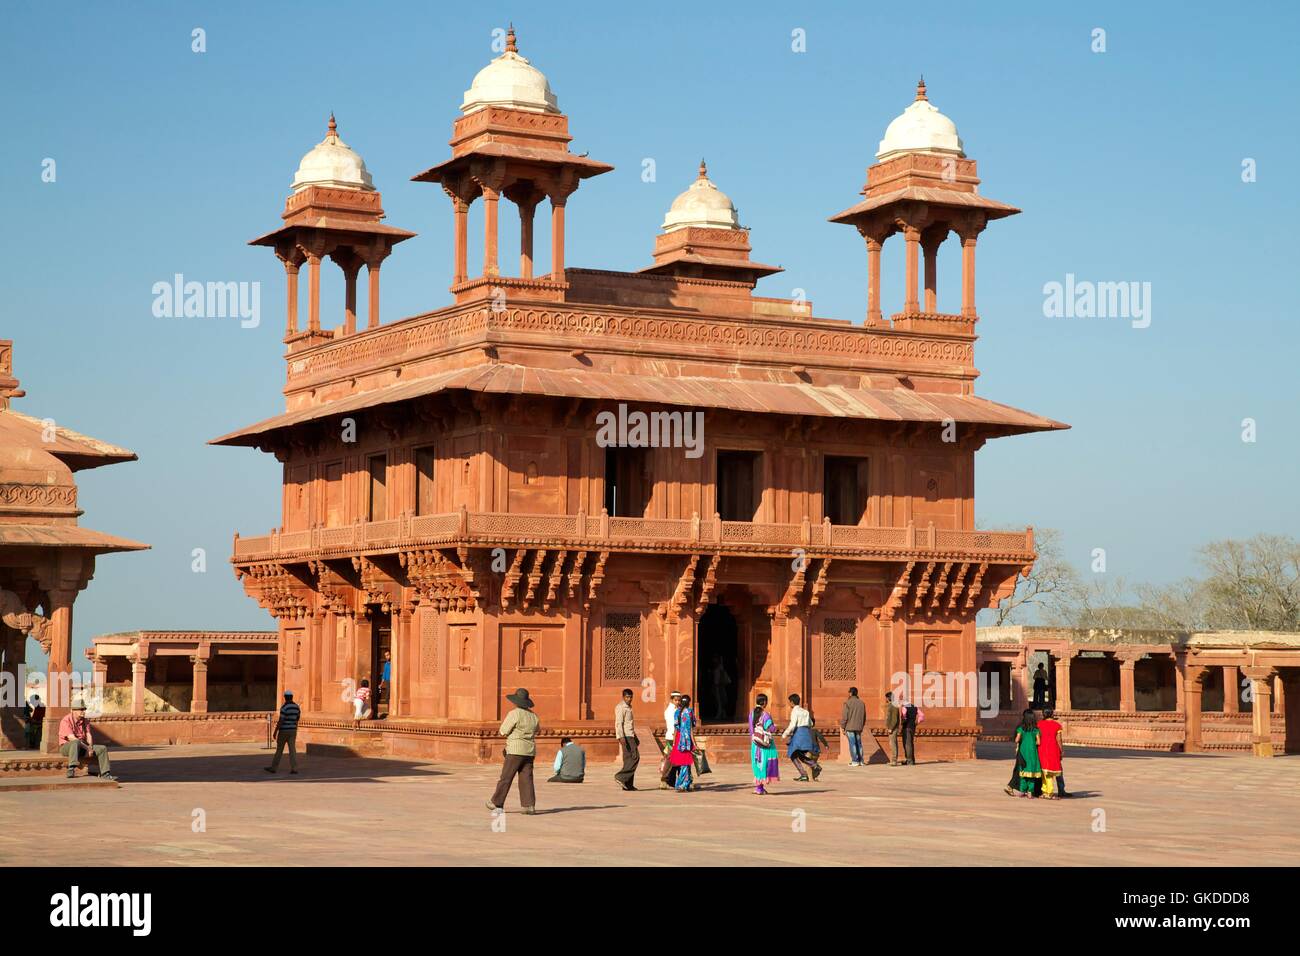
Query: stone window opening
(844, 489)
(738, 483)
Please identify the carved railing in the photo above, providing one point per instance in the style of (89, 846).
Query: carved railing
(603, 532)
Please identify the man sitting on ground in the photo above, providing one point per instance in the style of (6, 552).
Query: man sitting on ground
(570, 763)
(75, 740)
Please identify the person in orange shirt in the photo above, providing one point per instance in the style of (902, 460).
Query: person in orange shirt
(75, 739)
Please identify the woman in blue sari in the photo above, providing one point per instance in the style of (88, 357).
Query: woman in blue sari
(683, 755)
(763, 758)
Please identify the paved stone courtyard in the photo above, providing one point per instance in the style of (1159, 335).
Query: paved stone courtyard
(1159, 809)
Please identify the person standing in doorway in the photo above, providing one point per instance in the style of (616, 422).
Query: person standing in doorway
(762, 746)
(628, 745)
(892, 724)
(520, 730)
(667, 771)
(385, 692)
(853, 718)
(1040, 688)
(803, 745)
(286, 734)
(721, 688)
(909, 716)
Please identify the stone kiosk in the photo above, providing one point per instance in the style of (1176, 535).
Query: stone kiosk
(579, 480)
(46, 556)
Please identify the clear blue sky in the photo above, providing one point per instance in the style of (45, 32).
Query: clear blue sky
(1127, 165)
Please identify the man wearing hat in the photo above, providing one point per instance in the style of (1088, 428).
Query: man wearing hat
(75, 739)
(286, 734)
(520, 730)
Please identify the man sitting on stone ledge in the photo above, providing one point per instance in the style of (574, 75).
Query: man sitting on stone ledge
(75, 740)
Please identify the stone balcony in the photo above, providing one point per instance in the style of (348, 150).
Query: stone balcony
(644, 535)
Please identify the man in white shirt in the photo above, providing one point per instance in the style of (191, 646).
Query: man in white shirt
(667, 772)
(803, 745)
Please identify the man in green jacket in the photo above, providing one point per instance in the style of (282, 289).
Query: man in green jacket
(520, 730)
(892, 724)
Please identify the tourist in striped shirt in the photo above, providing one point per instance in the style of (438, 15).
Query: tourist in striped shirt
(286, 734)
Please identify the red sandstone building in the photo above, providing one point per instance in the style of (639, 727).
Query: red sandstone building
(46, 557)
(450, 497)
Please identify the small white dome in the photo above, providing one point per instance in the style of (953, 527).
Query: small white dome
(920, 129)
(510, 81)
(703, 206)
(332, 162)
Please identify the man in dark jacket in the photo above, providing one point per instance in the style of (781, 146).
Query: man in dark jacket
(853, 717)
(908, 717)
(892, 725)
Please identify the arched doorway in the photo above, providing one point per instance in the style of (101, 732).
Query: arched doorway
(718, 670)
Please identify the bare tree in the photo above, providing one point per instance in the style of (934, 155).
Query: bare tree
(1051, 584)
(1253, 584)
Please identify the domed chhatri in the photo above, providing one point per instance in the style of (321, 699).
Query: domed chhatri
(332, 162)
(512, 82)
(920, 129)
(703, 206)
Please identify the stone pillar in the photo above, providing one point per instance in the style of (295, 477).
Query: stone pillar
(913, 236)
(1180, 693)
(1127, 697)
(874, 316)
(1261, 713)
(968, 235)
(1231, 690)
(350, 295)
(372, 278)
(461, 208)
(557, 239)
(58, 687)
(526, 210)
(199, 697)
(1279, 695)
(291, 279)
(1193, 678)
(139, 672)
(320, 656)
(931, 249)
(491, 200)
(1062, 701)
(313, 292)
(399, 695)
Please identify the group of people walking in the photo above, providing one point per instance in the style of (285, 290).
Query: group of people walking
(1037, 771)
(683, 761)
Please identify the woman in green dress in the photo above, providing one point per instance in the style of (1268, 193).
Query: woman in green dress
(1031, 770)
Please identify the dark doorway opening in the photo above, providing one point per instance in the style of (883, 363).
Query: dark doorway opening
(627, 487)
(381, 643)
(718, 666)
(844, 485)
(738, 481)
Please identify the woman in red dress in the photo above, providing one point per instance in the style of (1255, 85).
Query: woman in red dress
(1049, 754)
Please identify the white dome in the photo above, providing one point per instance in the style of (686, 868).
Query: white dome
(332, 162)
(920, 129)
(703, 206)
(510, 81)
